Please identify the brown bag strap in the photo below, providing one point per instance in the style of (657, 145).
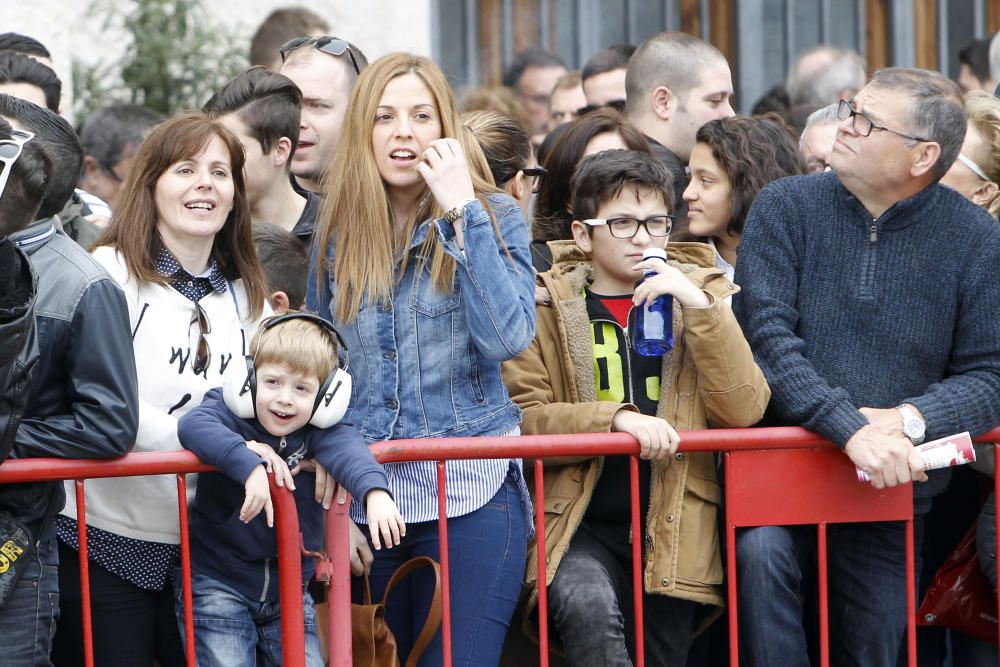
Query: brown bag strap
(433, 621)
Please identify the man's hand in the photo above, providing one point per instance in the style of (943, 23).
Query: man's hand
(258, 497)
(361, 554)
(887, 420)
(384, 520)
(889, 460)
(657, 438)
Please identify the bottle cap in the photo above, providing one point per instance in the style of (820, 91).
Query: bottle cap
(658, 253)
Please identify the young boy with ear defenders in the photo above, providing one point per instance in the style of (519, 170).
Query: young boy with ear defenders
(276, 407)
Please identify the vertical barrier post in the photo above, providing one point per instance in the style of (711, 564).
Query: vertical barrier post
(637, 543)
(824, 595)
(542, 564)
(338, 593)
(286, 529)
(911, 598)
(182, 512)
(445, 575)
(734, 633)
(81, 536)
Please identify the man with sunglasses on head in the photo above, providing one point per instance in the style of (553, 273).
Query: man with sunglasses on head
(871, 302)
(82, 402)
(325, 69)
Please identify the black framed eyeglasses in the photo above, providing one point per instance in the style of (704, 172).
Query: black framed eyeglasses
(864, 125)
(535, 176)
(657, 226)
(335, 46)
(203, 355)
(617, 105)
(10, 150)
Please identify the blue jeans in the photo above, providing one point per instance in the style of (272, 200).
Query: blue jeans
(232, 630)
(867, 592)
(29, 615)
(486, 551)
(590, 602)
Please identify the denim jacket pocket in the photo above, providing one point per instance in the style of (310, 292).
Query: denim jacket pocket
(426, 299)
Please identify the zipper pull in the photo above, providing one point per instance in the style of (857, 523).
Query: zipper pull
(874, 231)
(282, 444)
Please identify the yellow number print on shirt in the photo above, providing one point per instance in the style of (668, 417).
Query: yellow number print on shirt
(608, 363)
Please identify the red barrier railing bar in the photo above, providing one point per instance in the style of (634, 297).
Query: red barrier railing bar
(290, 592)
(734, 636)
(911, 595)
(339, 587)
(445, 572)
(542, 565)
(182, 513)
(996, 525)
(824, 596)
(81, 536)
(637, 544)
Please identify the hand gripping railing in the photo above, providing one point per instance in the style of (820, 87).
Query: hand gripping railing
(286, 525)
(745, 461)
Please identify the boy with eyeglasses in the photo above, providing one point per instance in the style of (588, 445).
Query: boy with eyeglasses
(581, 375)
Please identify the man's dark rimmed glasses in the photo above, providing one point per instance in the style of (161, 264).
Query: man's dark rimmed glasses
(335, 46)
(864, 125)
(656, 226)
(203, 355)
(535, 176)
(10, 150)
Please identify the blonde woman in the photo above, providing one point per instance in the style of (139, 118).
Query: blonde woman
(423, 265)
(975, 174)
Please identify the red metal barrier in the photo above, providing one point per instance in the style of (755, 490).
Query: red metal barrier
(889, 505)
(286, 525)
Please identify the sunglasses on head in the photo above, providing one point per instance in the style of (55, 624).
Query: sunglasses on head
(335, 46)
(10, 150)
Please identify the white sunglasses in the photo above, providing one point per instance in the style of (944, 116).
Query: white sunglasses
(973, 166)
(10, 150)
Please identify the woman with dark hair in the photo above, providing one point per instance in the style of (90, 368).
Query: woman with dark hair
(180, 247)
(594, 132)
(732, 160)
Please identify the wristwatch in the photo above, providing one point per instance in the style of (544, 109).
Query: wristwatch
(455, 213)
(913, 426)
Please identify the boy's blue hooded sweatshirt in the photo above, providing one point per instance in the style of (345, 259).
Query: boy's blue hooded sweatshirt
(244, 556)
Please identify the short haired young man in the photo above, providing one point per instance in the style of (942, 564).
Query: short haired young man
(581, 375)
(603, 76)
(280, 26)
(83, 401)
(974, 66)
(532, 75)
(674, 84)
(566, 99)
(871, 303)
(110, 137)
(262, 108)
(324, 69)
(25, 77)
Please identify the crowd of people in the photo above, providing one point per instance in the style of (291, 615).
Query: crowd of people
(332, 253)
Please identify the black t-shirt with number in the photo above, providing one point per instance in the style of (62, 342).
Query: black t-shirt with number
(621, 375)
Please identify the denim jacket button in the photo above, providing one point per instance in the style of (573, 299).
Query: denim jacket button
(393, 404)
(390, 355)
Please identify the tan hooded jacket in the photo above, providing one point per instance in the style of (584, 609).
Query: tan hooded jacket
(709, 379)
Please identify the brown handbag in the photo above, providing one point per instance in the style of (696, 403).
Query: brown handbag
(373, 642)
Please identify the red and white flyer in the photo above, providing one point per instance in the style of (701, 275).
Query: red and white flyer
(955, 450)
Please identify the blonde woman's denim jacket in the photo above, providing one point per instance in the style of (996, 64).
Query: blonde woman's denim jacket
(427, 363)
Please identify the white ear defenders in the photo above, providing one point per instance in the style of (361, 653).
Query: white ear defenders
(239, 383)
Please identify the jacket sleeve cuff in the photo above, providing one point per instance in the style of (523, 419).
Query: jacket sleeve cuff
(240, 462)
(372, 481)
(841, 424)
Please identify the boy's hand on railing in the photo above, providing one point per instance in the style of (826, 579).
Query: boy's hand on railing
(258, 497)
(384, 520)
(273, 463)
(657, 438)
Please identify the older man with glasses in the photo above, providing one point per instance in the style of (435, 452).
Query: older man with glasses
(870, 300)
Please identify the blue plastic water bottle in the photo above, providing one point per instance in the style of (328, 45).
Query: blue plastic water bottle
(654, 323)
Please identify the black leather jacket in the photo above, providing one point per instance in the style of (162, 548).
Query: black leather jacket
(18, 354)
(84, 397)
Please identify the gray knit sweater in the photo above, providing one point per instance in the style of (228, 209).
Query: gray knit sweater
(846, 311)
